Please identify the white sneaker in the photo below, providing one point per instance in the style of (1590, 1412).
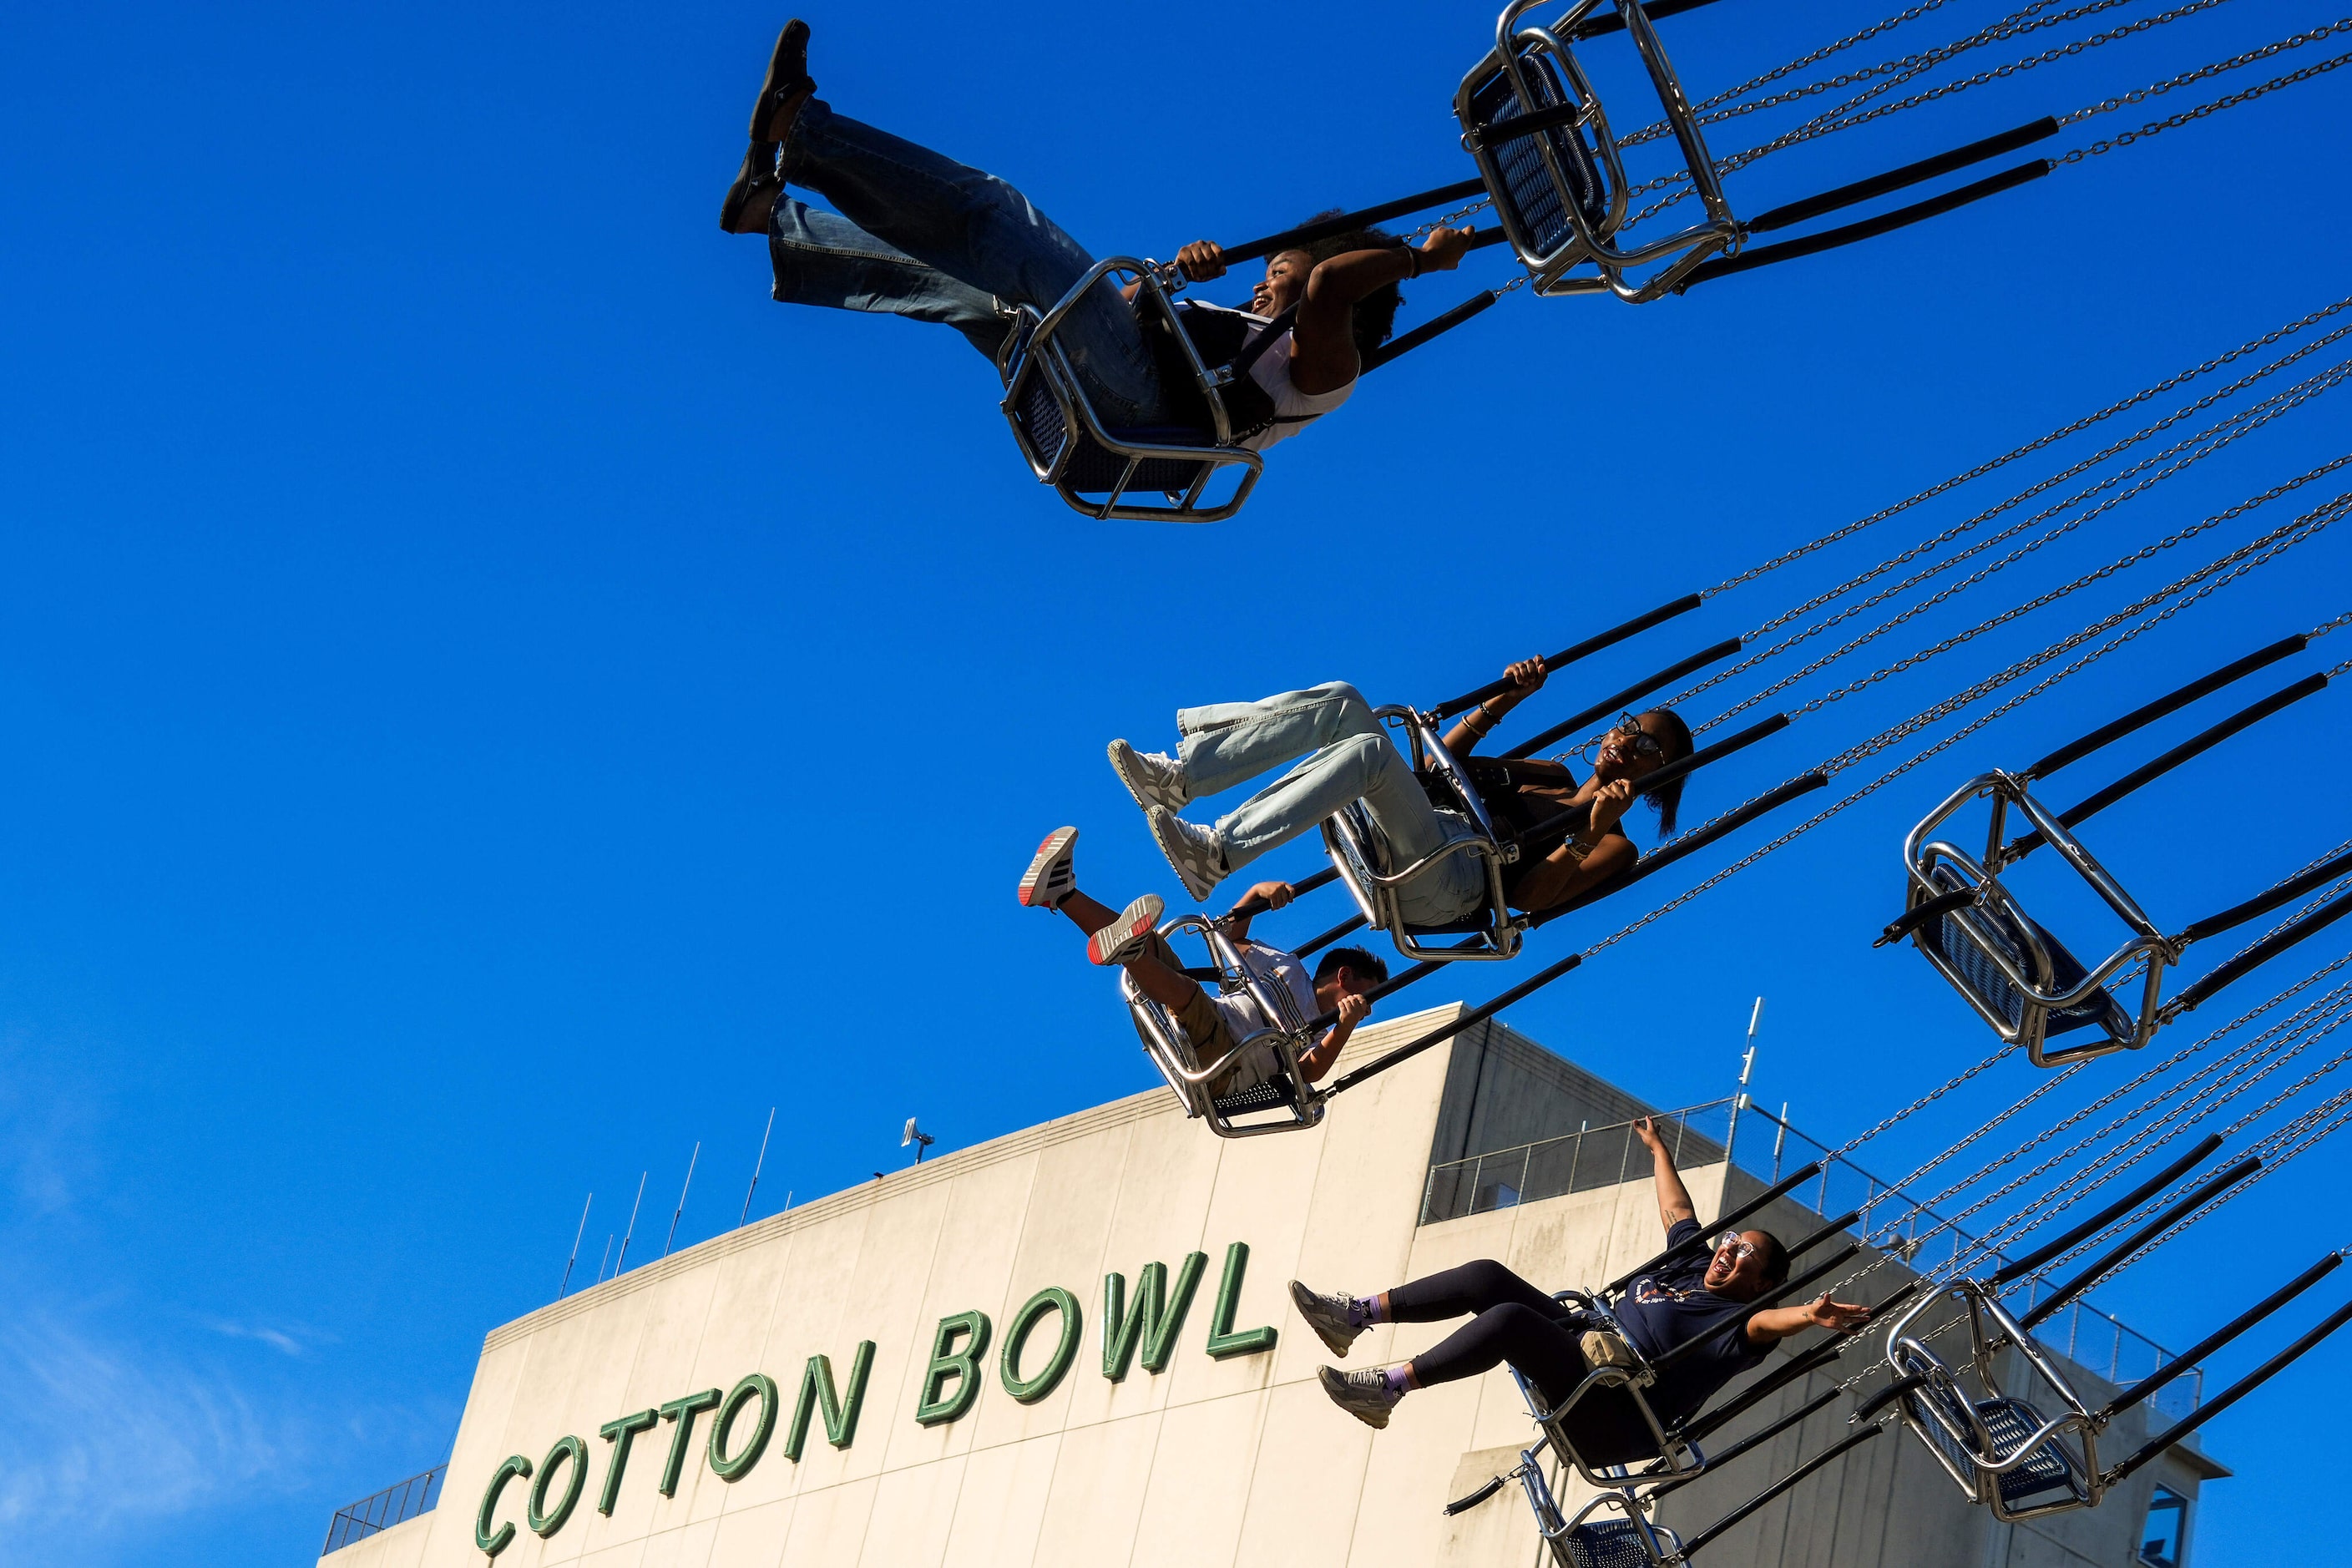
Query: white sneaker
(1053, 873)
(1364, 1394)
(1151, 777)
(1130, 934)
(1193, 851)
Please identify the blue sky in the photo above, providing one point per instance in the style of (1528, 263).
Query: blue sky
(492, 702)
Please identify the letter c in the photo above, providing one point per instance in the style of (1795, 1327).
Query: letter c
(516, 1468)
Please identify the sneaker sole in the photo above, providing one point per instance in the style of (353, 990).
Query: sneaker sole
(1120, 753)
(1039, 864)
(1337, 1347)
(1173, 850)
(1135, 922)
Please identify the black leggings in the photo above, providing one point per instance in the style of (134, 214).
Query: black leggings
(1515, 1322)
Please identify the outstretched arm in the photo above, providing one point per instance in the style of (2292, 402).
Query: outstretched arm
(1776, 1323)
(1527, 676)
(1675, 1204)
(1323, 338)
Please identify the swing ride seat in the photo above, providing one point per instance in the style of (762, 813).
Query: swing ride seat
(1675, 1458)
(2018, 976)
(1365, 863)
(1999, 1448)
(1106, 471)
(1560, 191)
(1284, 1102)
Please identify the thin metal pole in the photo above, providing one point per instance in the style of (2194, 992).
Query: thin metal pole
(690, 1159)
(575, 1248)
(605, 1257)
(621, 1262)
(1747, 1067)
(756, 1165)
(1778, 1139)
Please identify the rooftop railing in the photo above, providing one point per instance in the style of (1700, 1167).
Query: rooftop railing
(1594, 1157)
(371, 1515)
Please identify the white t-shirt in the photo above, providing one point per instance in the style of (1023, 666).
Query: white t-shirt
(1294, 410)
(1275, 969)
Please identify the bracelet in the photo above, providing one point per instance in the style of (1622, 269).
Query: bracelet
(1577, 851)
(1413, 266)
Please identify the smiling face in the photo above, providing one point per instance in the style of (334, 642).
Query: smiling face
(1635, 749)
(1285, 284)
(1736, 1269)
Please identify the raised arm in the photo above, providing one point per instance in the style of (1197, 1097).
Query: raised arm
(1263, 897)
(1323, 338)
(1776, 1323)
(1526, 677)
(1675, 1204)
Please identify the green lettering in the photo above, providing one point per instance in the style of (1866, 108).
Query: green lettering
(621, 1433)
(816, 1390)
(516, 1466)
(683, 1412)
(1156, 1319)
(759, 1387)
(543, 1520)
(1029, 1390)
(1223, 1341)
(963, 1365)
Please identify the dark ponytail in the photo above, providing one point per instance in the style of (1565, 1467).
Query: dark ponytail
(1675, 737)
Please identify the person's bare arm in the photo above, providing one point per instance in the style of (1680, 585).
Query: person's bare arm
(1323, 337)
(1776, 1323)
(1526, 677)
(1263, 897)
(1201, 260)
(1590, 859)
(1316, 1064)
(1675, 1204)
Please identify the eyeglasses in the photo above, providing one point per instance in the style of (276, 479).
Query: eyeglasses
(1738, 1246)
(1635, 739)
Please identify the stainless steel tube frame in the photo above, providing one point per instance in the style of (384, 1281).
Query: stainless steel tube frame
(1036, 349)
(1172, 1052)
(1677, 1459)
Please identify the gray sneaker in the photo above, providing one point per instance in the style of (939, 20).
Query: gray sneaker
(1333, 1318)
(1193, 851)
(1151, 778)
(1129, 935)
(1364, 1394)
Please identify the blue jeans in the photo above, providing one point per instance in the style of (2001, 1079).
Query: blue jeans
(1346, 758)
(924, 236)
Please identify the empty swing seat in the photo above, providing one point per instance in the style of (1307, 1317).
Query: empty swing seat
(1523, 180)
(1963, 950)
(1610, 1543)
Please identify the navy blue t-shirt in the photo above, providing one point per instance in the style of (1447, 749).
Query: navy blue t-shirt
(1662, 1309)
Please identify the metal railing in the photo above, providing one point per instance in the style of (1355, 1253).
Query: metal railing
(1594, 1157)
(387, 1507)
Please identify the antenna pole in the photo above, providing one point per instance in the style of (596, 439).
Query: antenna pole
(575, 1248)
(622, 1261)
(756, 1166)
(690, 1159)
(1747, 1067)
(605, 1258)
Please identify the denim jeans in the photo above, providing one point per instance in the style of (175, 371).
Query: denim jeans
(924, 236)
(1346, 757)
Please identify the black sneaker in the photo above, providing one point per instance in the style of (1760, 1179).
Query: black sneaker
(1364, 1394)
(1333, 1318)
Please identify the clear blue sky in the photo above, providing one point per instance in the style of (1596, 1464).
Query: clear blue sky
(491, 700)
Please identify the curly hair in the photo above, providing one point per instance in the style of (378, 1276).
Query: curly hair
(1375, 313)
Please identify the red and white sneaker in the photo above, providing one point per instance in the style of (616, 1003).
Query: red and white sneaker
(1053, 873)
(1127, 936)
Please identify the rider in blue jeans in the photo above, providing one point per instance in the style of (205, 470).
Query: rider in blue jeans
(920, 235)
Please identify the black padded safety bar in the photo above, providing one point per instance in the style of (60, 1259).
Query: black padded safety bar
(1364, 217)
(1755, 1440)
(1888, 1396)
(1575, 651)
(1780, 1189)
(1476, 1015)
(1908, 175)
(1766, 1302)
(1798, 1249)
(1352, 923)
(1575, 816)
(1617, 702)
(1828, 1456)
(2113, 1212)
(2262, 951)
(1251, 906)
(2232, 1394)
(1868, 229)
(2091, 1274)
(1464, 1504)
(2140, 718)
(2286, 893)
(1935, 909)
(1692, 843)
(1527, 125)
(1614, 22)
(2222, 1336)
(1796, 1371)
(1432, 328)
(2253, 713)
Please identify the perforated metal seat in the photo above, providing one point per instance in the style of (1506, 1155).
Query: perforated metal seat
(1534, 197)
(1992, 988)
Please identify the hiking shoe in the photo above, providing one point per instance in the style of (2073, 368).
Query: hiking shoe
(786, 86)
(1364, 1394)
(1151, 778)
(1333, 1318)
(1053, 873)
(1193, 851)
(1129, 935)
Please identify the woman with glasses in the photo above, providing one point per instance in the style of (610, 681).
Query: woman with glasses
(1512, 1321)
(1341, 755)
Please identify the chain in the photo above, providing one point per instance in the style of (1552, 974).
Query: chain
(1450, 220)
(2259, 414)
(2085, 422)
(2050, 1081)
(1926, 1100)
(1816, 58)
(2158, 89)
(2245, 96)
(1932, 651)
(2321, 630)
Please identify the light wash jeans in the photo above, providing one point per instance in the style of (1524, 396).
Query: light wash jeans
(1346, 757)
(924, 236)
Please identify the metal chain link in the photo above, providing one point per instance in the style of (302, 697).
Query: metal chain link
(2321, 630)
(2158, 89)
(2253, 346)
(2248, 95)
(1448, 220)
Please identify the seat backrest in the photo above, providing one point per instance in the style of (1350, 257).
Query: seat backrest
(2011, 1422)
(1610, 1543)
(1959, 947)
(1537, 201)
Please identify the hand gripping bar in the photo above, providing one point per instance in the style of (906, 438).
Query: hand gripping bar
(1616, 701)
(1573, 652)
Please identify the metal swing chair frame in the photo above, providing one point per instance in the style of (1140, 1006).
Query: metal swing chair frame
(1359, 852)
(1296, 1103)
(1532, 122)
